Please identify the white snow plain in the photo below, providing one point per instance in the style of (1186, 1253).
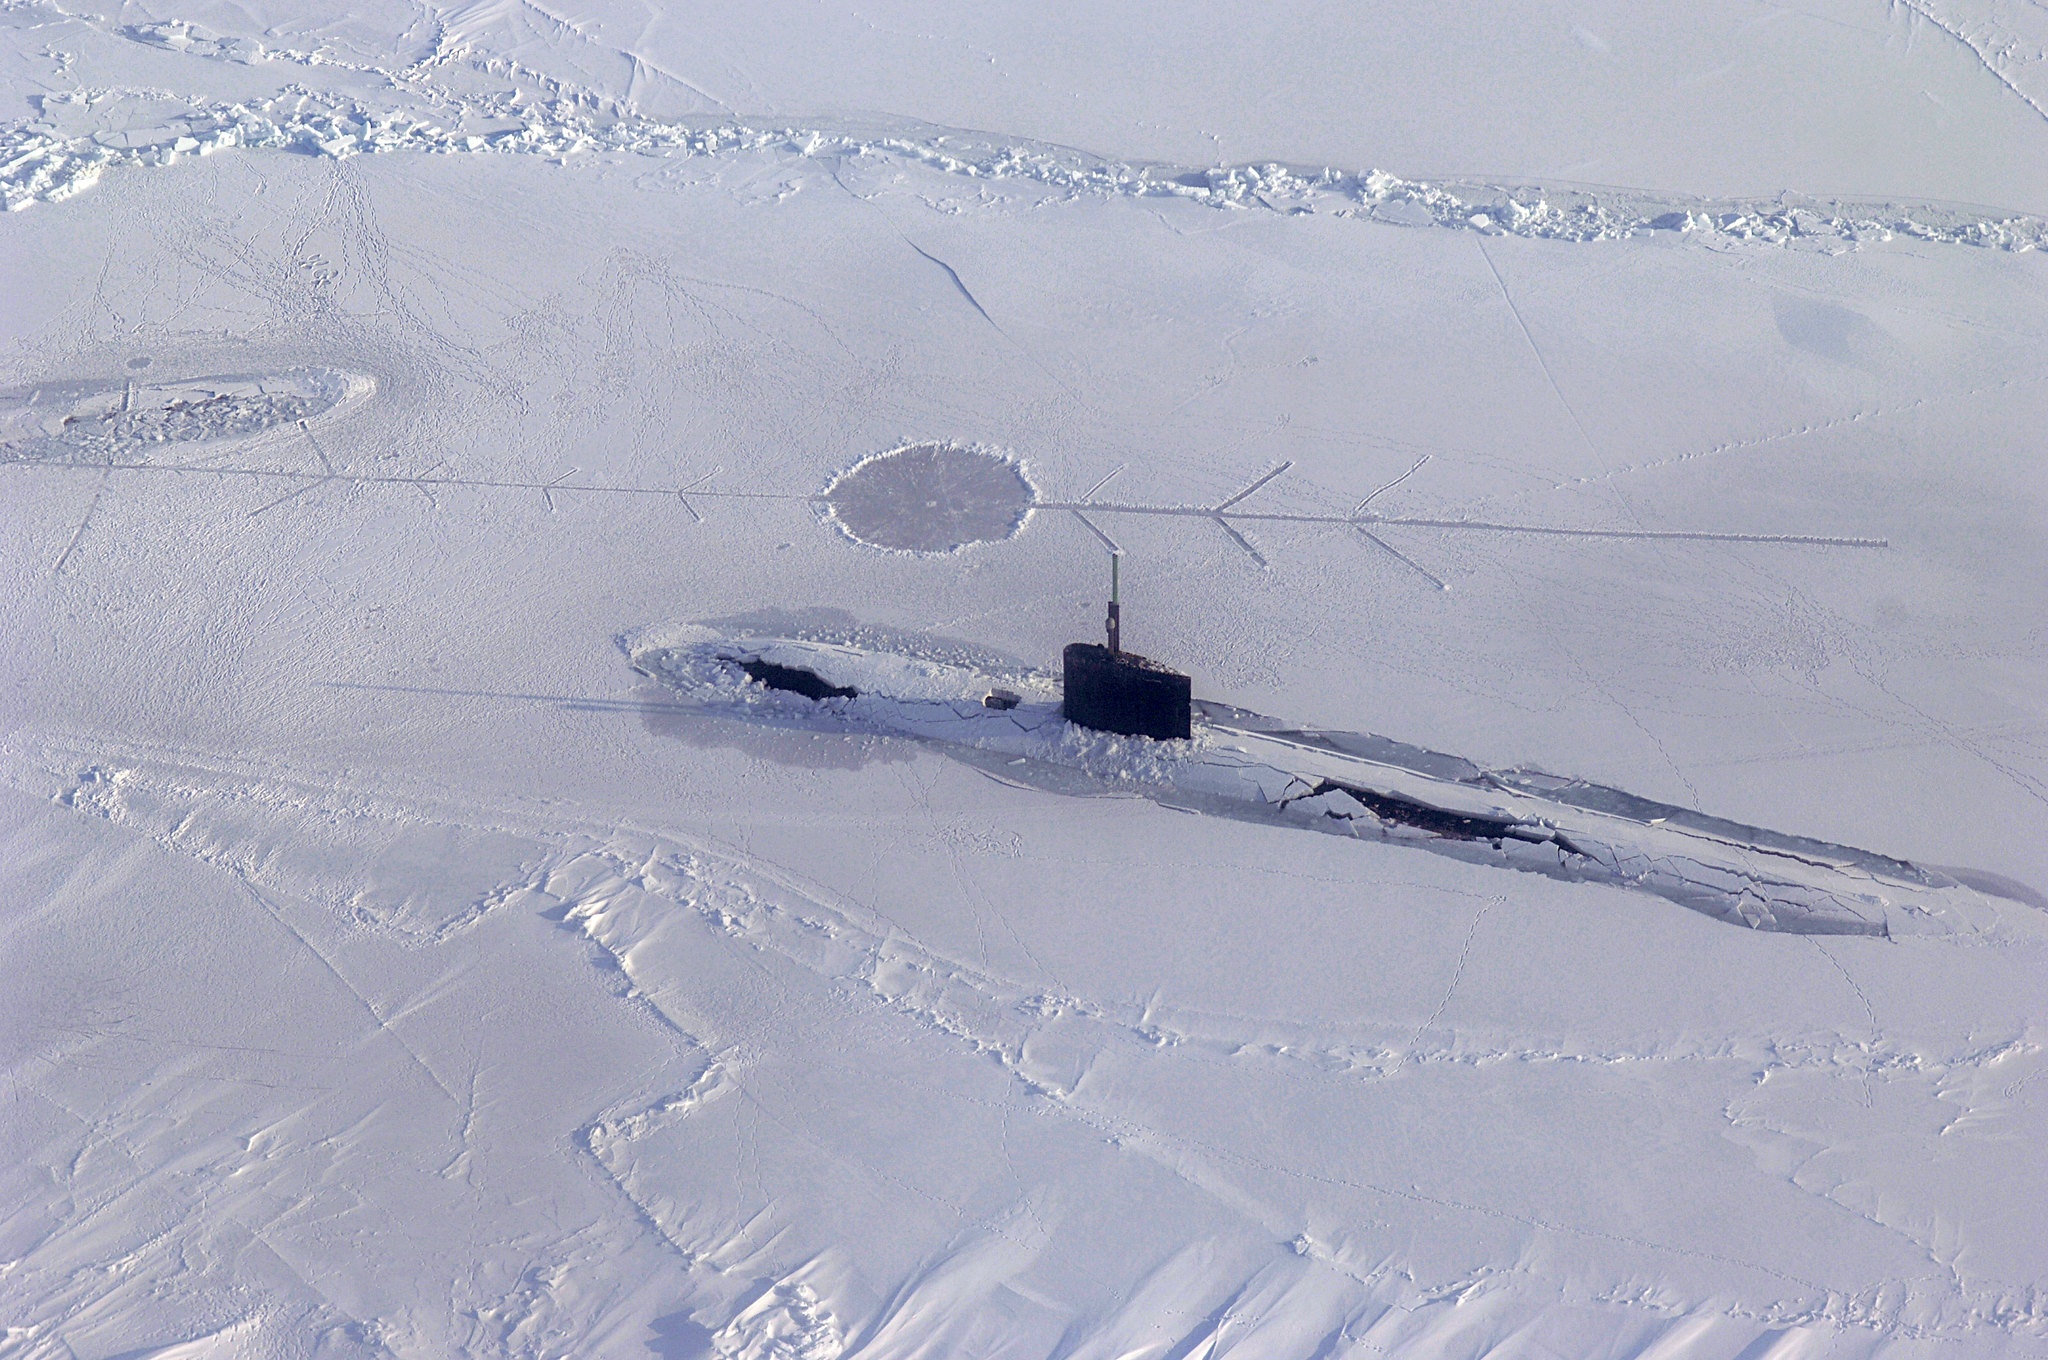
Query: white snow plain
(387, 969)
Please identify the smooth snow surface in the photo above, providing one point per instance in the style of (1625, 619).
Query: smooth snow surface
(1646, 396)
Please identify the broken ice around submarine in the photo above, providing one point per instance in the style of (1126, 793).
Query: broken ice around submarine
(1243, 765)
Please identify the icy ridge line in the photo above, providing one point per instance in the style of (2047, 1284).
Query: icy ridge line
(39, 163)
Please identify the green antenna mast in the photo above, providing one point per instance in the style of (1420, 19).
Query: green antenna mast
(1115, 619)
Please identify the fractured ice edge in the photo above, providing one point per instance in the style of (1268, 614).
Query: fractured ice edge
(1249, 767)
(100, 423)
(40, 161)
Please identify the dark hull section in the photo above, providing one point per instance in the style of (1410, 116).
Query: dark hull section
(1124, 693)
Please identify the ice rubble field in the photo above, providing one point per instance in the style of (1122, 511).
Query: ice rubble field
(388, 969)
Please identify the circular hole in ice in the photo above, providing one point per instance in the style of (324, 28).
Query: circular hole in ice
(931, 498)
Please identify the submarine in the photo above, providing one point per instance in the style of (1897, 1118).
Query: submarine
(1115, 723)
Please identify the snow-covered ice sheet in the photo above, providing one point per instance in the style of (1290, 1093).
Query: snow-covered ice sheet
(385, 969)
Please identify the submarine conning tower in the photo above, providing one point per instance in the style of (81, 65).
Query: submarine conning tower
(1112, 690)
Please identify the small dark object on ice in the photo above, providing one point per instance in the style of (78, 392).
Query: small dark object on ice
(797, 680)
(1000, 698)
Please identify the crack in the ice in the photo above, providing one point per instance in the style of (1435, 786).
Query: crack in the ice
(954, 275)
(1955, 32)
(78, 534)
